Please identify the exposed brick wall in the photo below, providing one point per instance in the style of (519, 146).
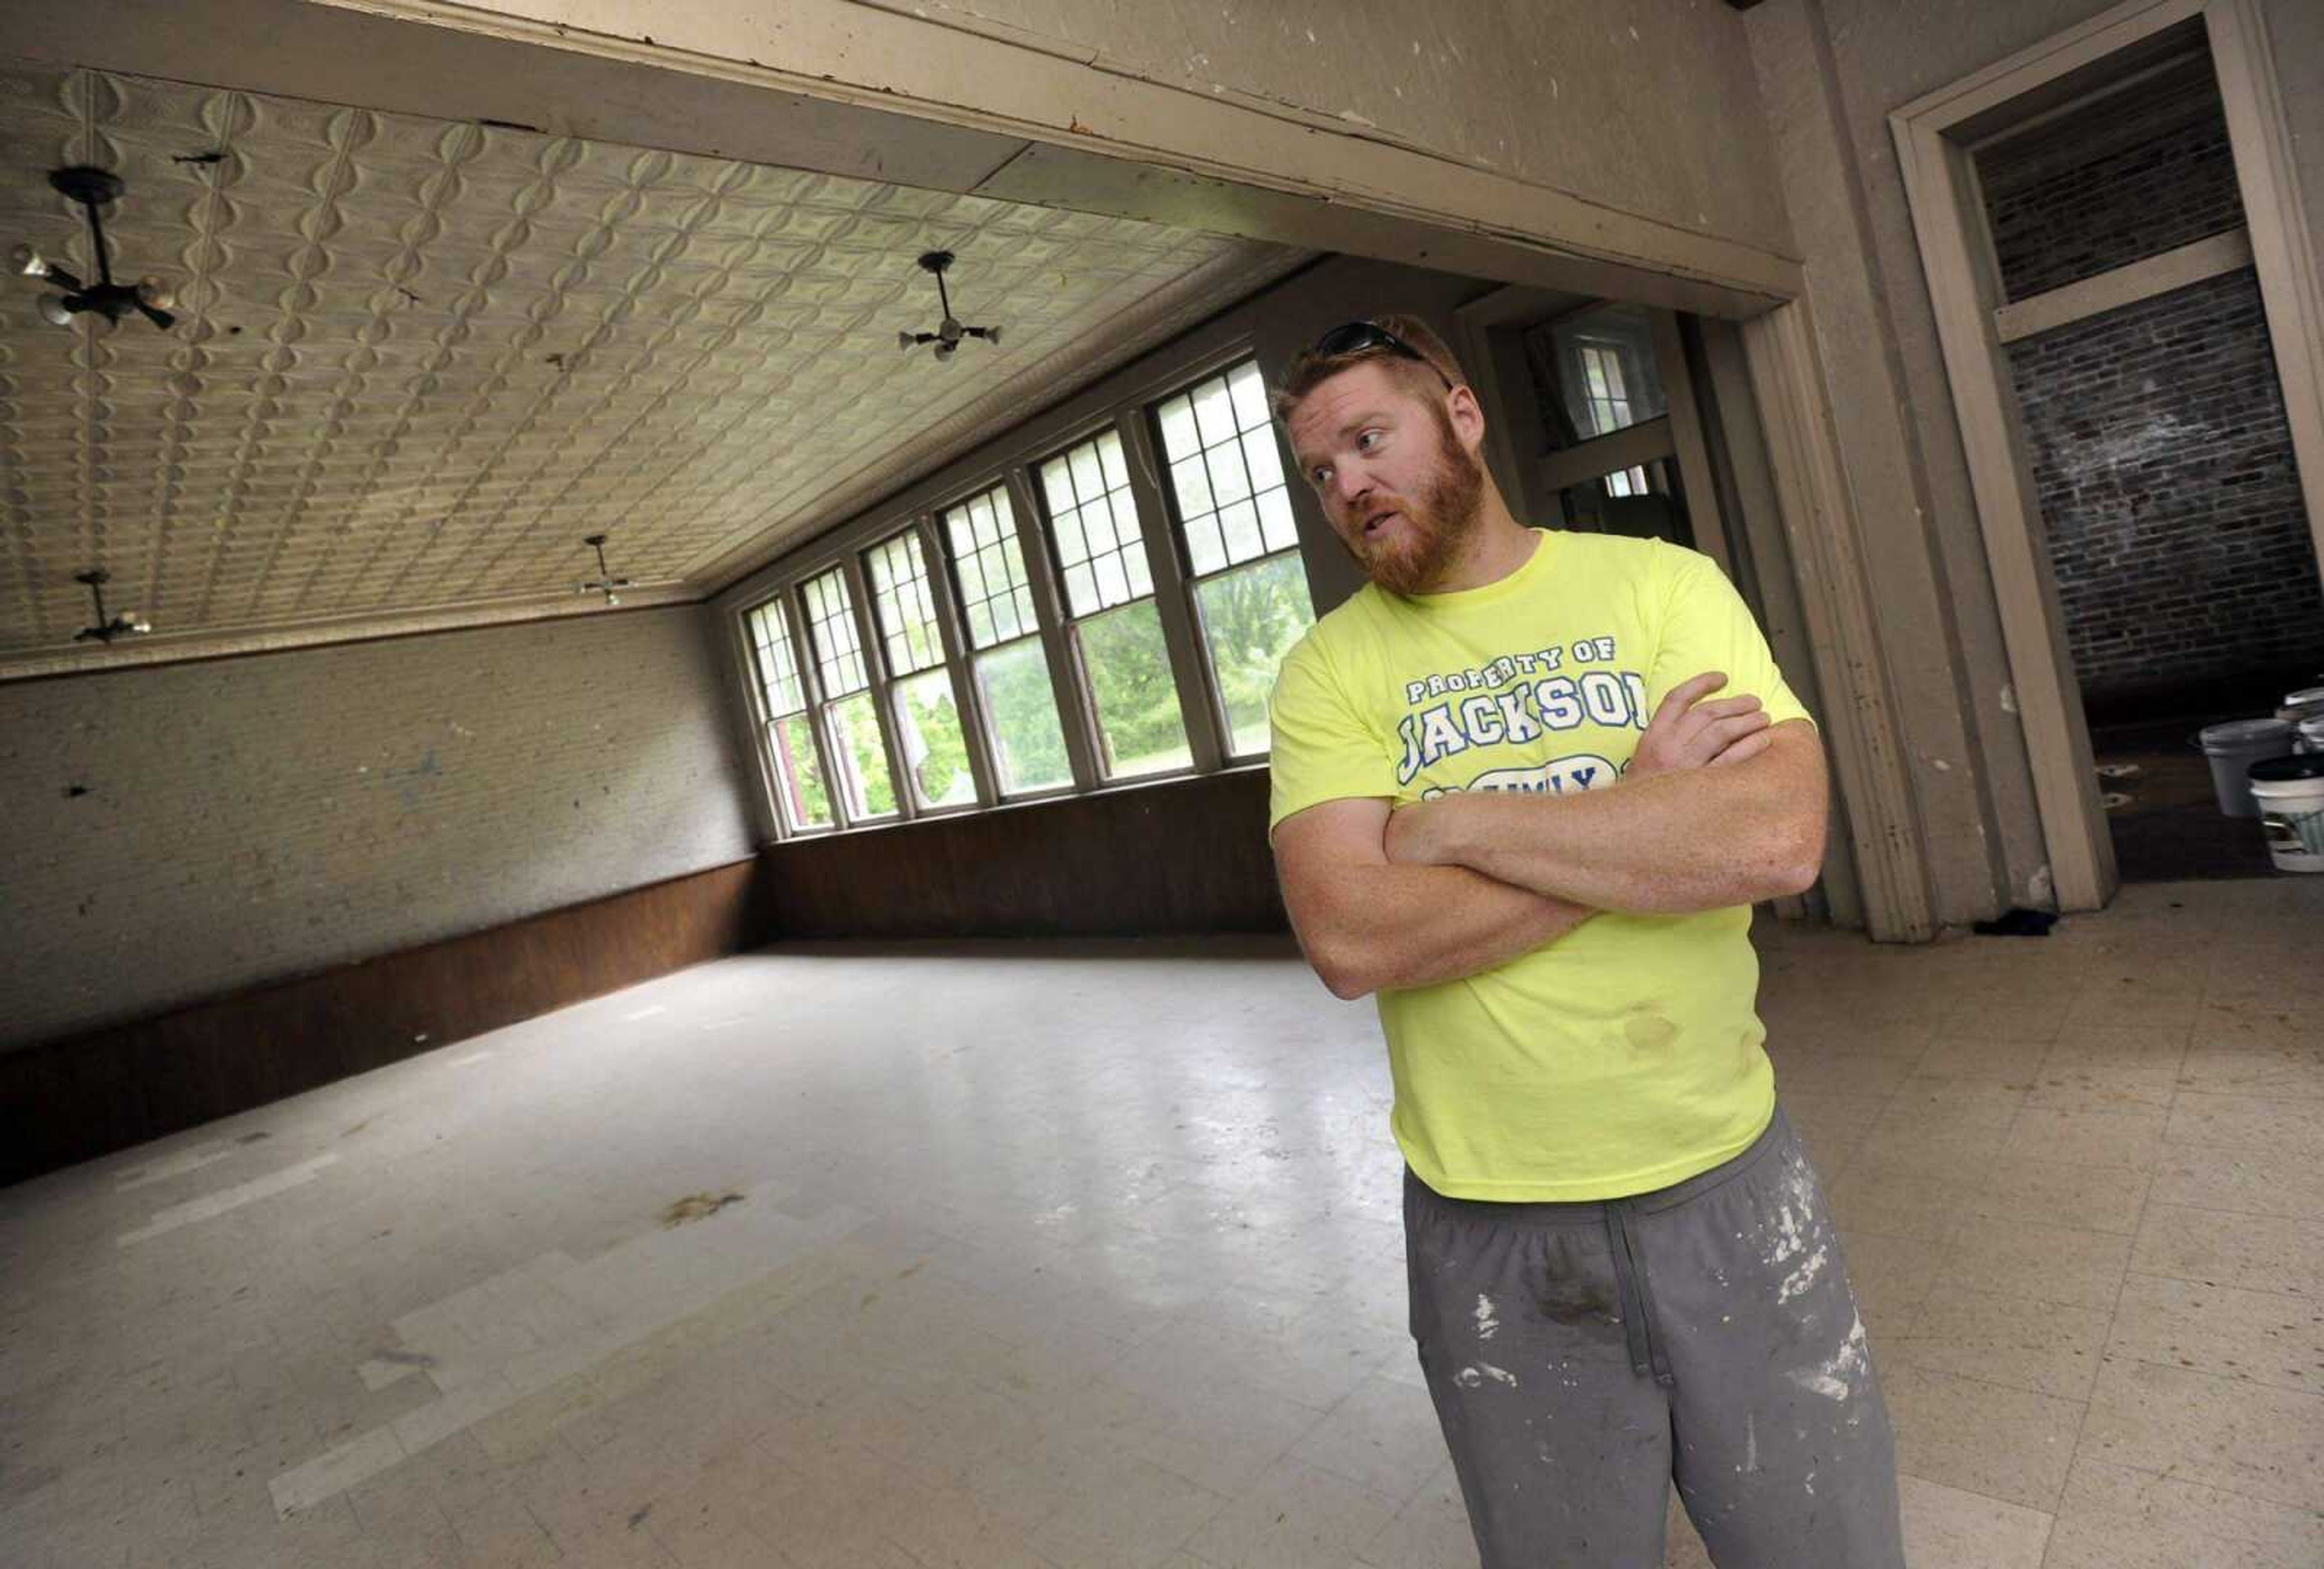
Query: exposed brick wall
(255, 817)
(2166, 480)
(2141, 172)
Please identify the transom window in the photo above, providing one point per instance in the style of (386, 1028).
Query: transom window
(1226, 471)
(1093, 522)
(989, 566)
(906, 609)
(831, 621)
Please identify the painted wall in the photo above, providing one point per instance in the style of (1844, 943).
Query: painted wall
(1649, 106)
(177, 831)
(1831, 70)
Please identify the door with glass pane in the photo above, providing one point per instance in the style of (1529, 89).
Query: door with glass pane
(1599, 424)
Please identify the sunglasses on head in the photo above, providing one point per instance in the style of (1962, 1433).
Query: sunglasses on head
(1357, 336)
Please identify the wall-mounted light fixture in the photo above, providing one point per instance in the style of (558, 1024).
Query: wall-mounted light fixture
(149, 297)
(106, 628)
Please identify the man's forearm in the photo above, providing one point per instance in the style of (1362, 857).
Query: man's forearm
(1674, 844)
(1395, 927)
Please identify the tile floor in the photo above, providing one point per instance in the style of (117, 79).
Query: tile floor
(1084, 1257)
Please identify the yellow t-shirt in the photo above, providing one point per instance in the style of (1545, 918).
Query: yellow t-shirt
(1626, 1056)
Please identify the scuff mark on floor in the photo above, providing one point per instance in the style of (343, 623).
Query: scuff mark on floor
(697, 1207)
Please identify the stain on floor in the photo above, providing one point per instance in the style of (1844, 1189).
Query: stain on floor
(697, 1206)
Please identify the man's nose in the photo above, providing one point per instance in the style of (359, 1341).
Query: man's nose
(1351, 485)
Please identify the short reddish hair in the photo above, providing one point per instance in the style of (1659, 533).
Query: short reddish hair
(1309, 370)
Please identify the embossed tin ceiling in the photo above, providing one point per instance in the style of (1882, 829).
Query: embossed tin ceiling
(416, 361)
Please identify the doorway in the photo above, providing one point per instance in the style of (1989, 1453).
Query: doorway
(2129, 320)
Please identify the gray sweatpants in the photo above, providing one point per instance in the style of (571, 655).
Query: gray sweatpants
(1583, 1355)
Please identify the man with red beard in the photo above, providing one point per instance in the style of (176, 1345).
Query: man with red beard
(1506, 801)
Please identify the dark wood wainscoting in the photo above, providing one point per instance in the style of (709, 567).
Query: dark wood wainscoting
(71, 1098)
(1186, 856)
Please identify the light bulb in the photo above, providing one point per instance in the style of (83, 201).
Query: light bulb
(154, 292)
(29, 261)
(54, 311)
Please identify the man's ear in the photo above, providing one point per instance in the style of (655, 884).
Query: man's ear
(1467, 416)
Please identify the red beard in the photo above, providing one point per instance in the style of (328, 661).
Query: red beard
(1436, 524)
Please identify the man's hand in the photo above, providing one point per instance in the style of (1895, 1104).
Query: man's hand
(1687, 731)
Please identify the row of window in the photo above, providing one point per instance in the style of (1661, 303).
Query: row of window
(922, 673)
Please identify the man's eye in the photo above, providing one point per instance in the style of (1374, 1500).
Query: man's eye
(1368, 440)
(1320, 477)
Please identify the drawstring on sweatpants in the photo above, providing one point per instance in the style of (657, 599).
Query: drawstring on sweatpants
(1634, 1298)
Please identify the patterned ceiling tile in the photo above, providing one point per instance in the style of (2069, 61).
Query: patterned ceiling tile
(416, 361)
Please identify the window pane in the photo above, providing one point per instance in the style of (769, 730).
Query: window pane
(1595, 374)
(1644, 503)
(869, 790)
(831, 625)
(1264, 456)
(1072, 549)
(1274, 521)
(1249, 398)
(905, 609)
(798, 774)
(1224, 485)
(1095, 532)
(2127, 175)
(936, 750)
(1028, 743)
(1229, 483)
(1140, 727)
(770, 640)
(987, 568)
(1114, 581)
(1178, 439)
(1193, 486)
(1250, 618)
(1240, 523)
(1203, 548)
(1215, 411)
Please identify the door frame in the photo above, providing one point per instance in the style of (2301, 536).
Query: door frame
(1934, 136)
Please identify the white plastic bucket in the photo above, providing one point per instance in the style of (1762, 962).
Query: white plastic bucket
(2311, 735)
(2307, 703)
(2233, 747)
(2290, 791)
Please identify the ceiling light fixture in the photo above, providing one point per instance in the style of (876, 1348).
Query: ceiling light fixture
(606, 582)
(149, 297)
(106, 628)
(948, 333)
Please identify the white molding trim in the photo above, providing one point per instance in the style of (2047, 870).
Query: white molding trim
(1861, 733)
(2141, 280)
(164, 649)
